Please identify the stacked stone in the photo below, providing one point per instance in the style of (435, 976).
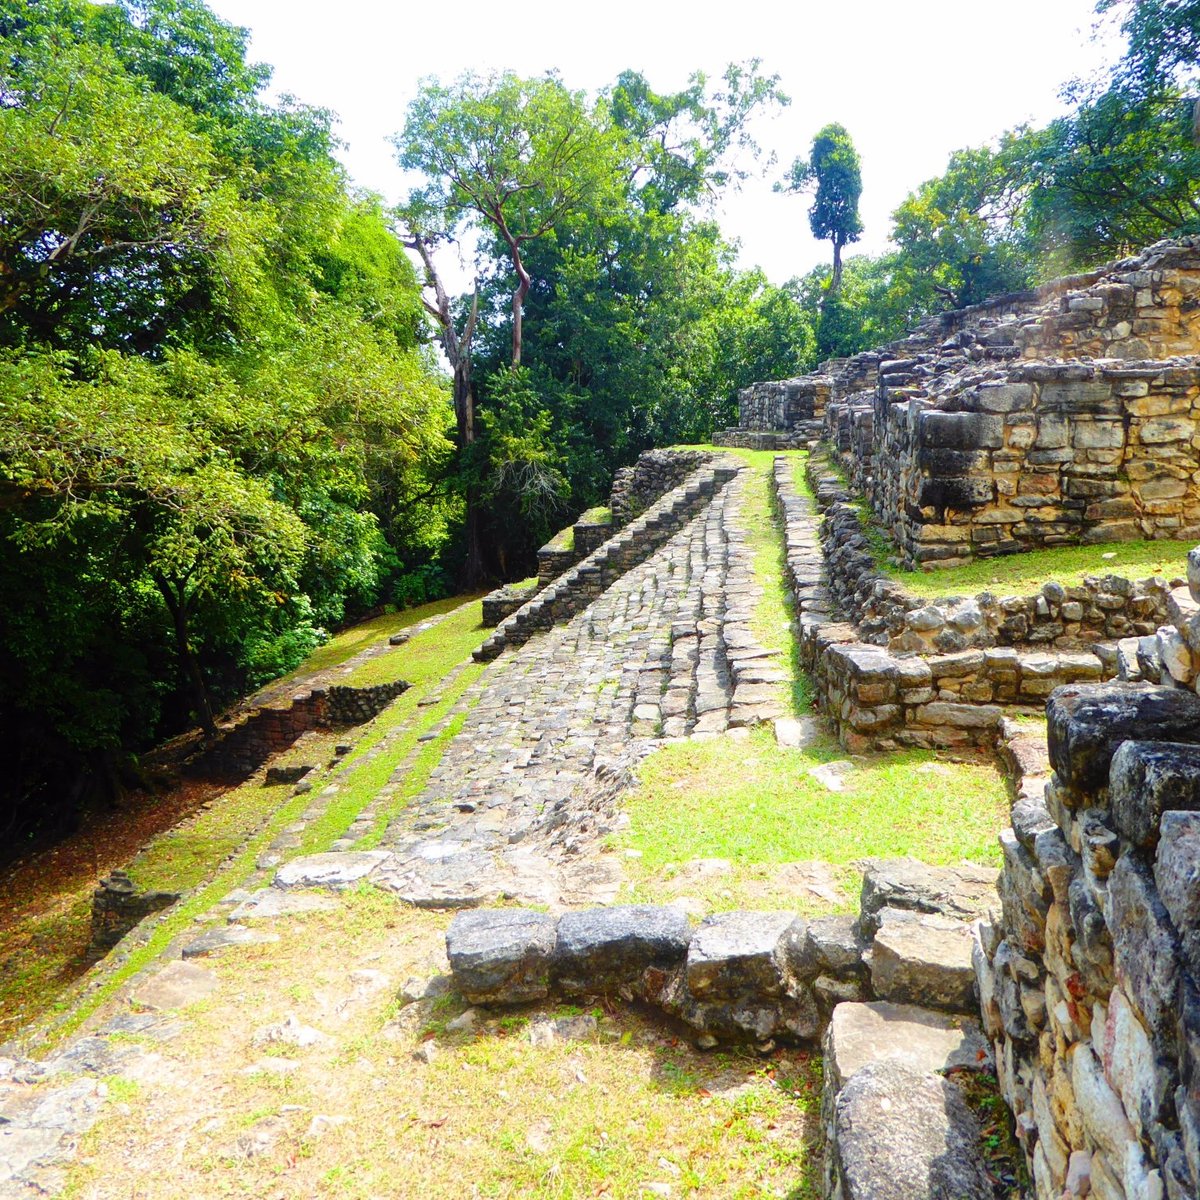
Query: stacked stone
(1088, 983)
(118, 906)
(243, 747)
(504, 601)
(784, 415)
(655, 473)
(357, 705)
(581, 585)
(1066, 617)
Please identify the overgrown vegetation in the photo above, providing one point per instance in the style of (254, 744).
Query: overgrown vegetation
(1024, 574)
(758, 806)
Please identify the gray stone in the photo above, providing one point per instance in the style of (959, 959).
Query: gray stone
(601, 948)
(270, 903)
(1148, 778)
(214, 941)
(333, 870)
(962, 893)
(900, 1134)
(177, 985)
(1177, 876)
(797, 734)
(920, 958)
(1086, 723)
(1146, 951)
(501, 956)
(925, 1041)
(738, 953)
(832, 945)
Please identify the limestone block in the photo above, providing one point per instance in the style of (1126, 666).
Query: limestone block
(1177, 876)
(1132, 1067)
(601, 948)
(900, 1134)
(1148, 778)
(1087, 722)
(962, 893)
(1146, 949)
(738, 952)
(501, 956)
(925, 959)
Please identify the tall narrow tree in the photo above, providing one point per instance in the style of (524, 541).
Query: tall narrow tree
(834, 171)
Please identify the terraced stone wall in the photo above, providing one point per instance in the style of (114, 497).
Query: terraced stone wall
(1102, 607)
(1063, 414)
(242, 748)
(1088, 984)
(1043, 454)
(577, 588)
(655, 473)
(879, 699)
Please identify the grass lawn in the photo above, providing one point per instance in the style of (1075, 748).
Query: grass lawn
(757, 806)
(214, 850)
(1024, 574)
(627, 1106)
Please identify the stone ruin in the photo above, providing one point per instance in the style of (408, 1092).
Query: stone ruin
(1061, 415)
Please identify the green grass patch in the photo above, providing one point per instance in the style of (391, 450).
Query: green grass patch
(563, 541)
(757, 805)
(345, 645)
(600, 515)
(1024, 574)
(426, 656)
(206, 849)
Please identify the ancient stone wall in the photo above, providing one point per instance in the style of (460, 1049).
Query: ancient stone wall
(655, 473)
(242, 748)
(1064, 414)
(583, 583)
(1065, 617)
(1088, 983)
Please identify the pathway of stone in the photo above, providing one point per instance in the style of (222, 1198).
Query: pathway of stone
(527, 790)
(518, 807)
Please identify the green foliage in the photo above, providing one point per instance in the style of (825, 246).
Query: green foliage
(219, 430)
(834, 173)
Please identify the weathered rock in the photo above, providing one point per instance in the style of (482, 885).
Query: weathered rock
(962, 893)
(334, 870)
(501, 956)
(923, 958)
(1086, 723)
(223, 937)
(177, 985)
(742, 952)
(901, 1134)
(925, 1041)
(1147, 778)
(600, 949)
(270, 903)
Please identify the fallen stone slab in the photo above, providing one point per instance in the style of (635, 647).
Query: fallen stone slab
(334, 870)
(797, 733)
(214, 941)
(901, 1134)
(177, 985)
(923, 958)
(962, 893)
(926, 1041)
(601, 948)
(22, 1147)
(833, 776)
(270, 903)
(738, 952)
(501, 956)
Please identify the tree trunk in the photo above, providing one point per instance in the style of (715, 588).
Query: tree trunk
(518, 306)
(176, 603)
(836, 282)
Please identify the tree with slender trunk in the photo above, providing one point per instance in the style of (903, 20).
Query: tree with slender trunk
(833, 172)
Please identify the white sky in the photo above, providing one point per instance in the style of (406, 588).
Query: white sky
(912, 80)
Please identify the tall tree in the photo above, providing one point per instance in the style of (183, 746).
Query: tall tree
(516, 154)
(833, 172)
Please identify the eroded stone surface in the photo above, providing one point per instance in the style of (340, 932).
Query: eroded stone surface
(501, 956)
(905, 1135)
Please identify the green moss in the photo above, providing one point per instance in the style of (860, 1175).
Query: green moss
(596, 516)
(1024, 574)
